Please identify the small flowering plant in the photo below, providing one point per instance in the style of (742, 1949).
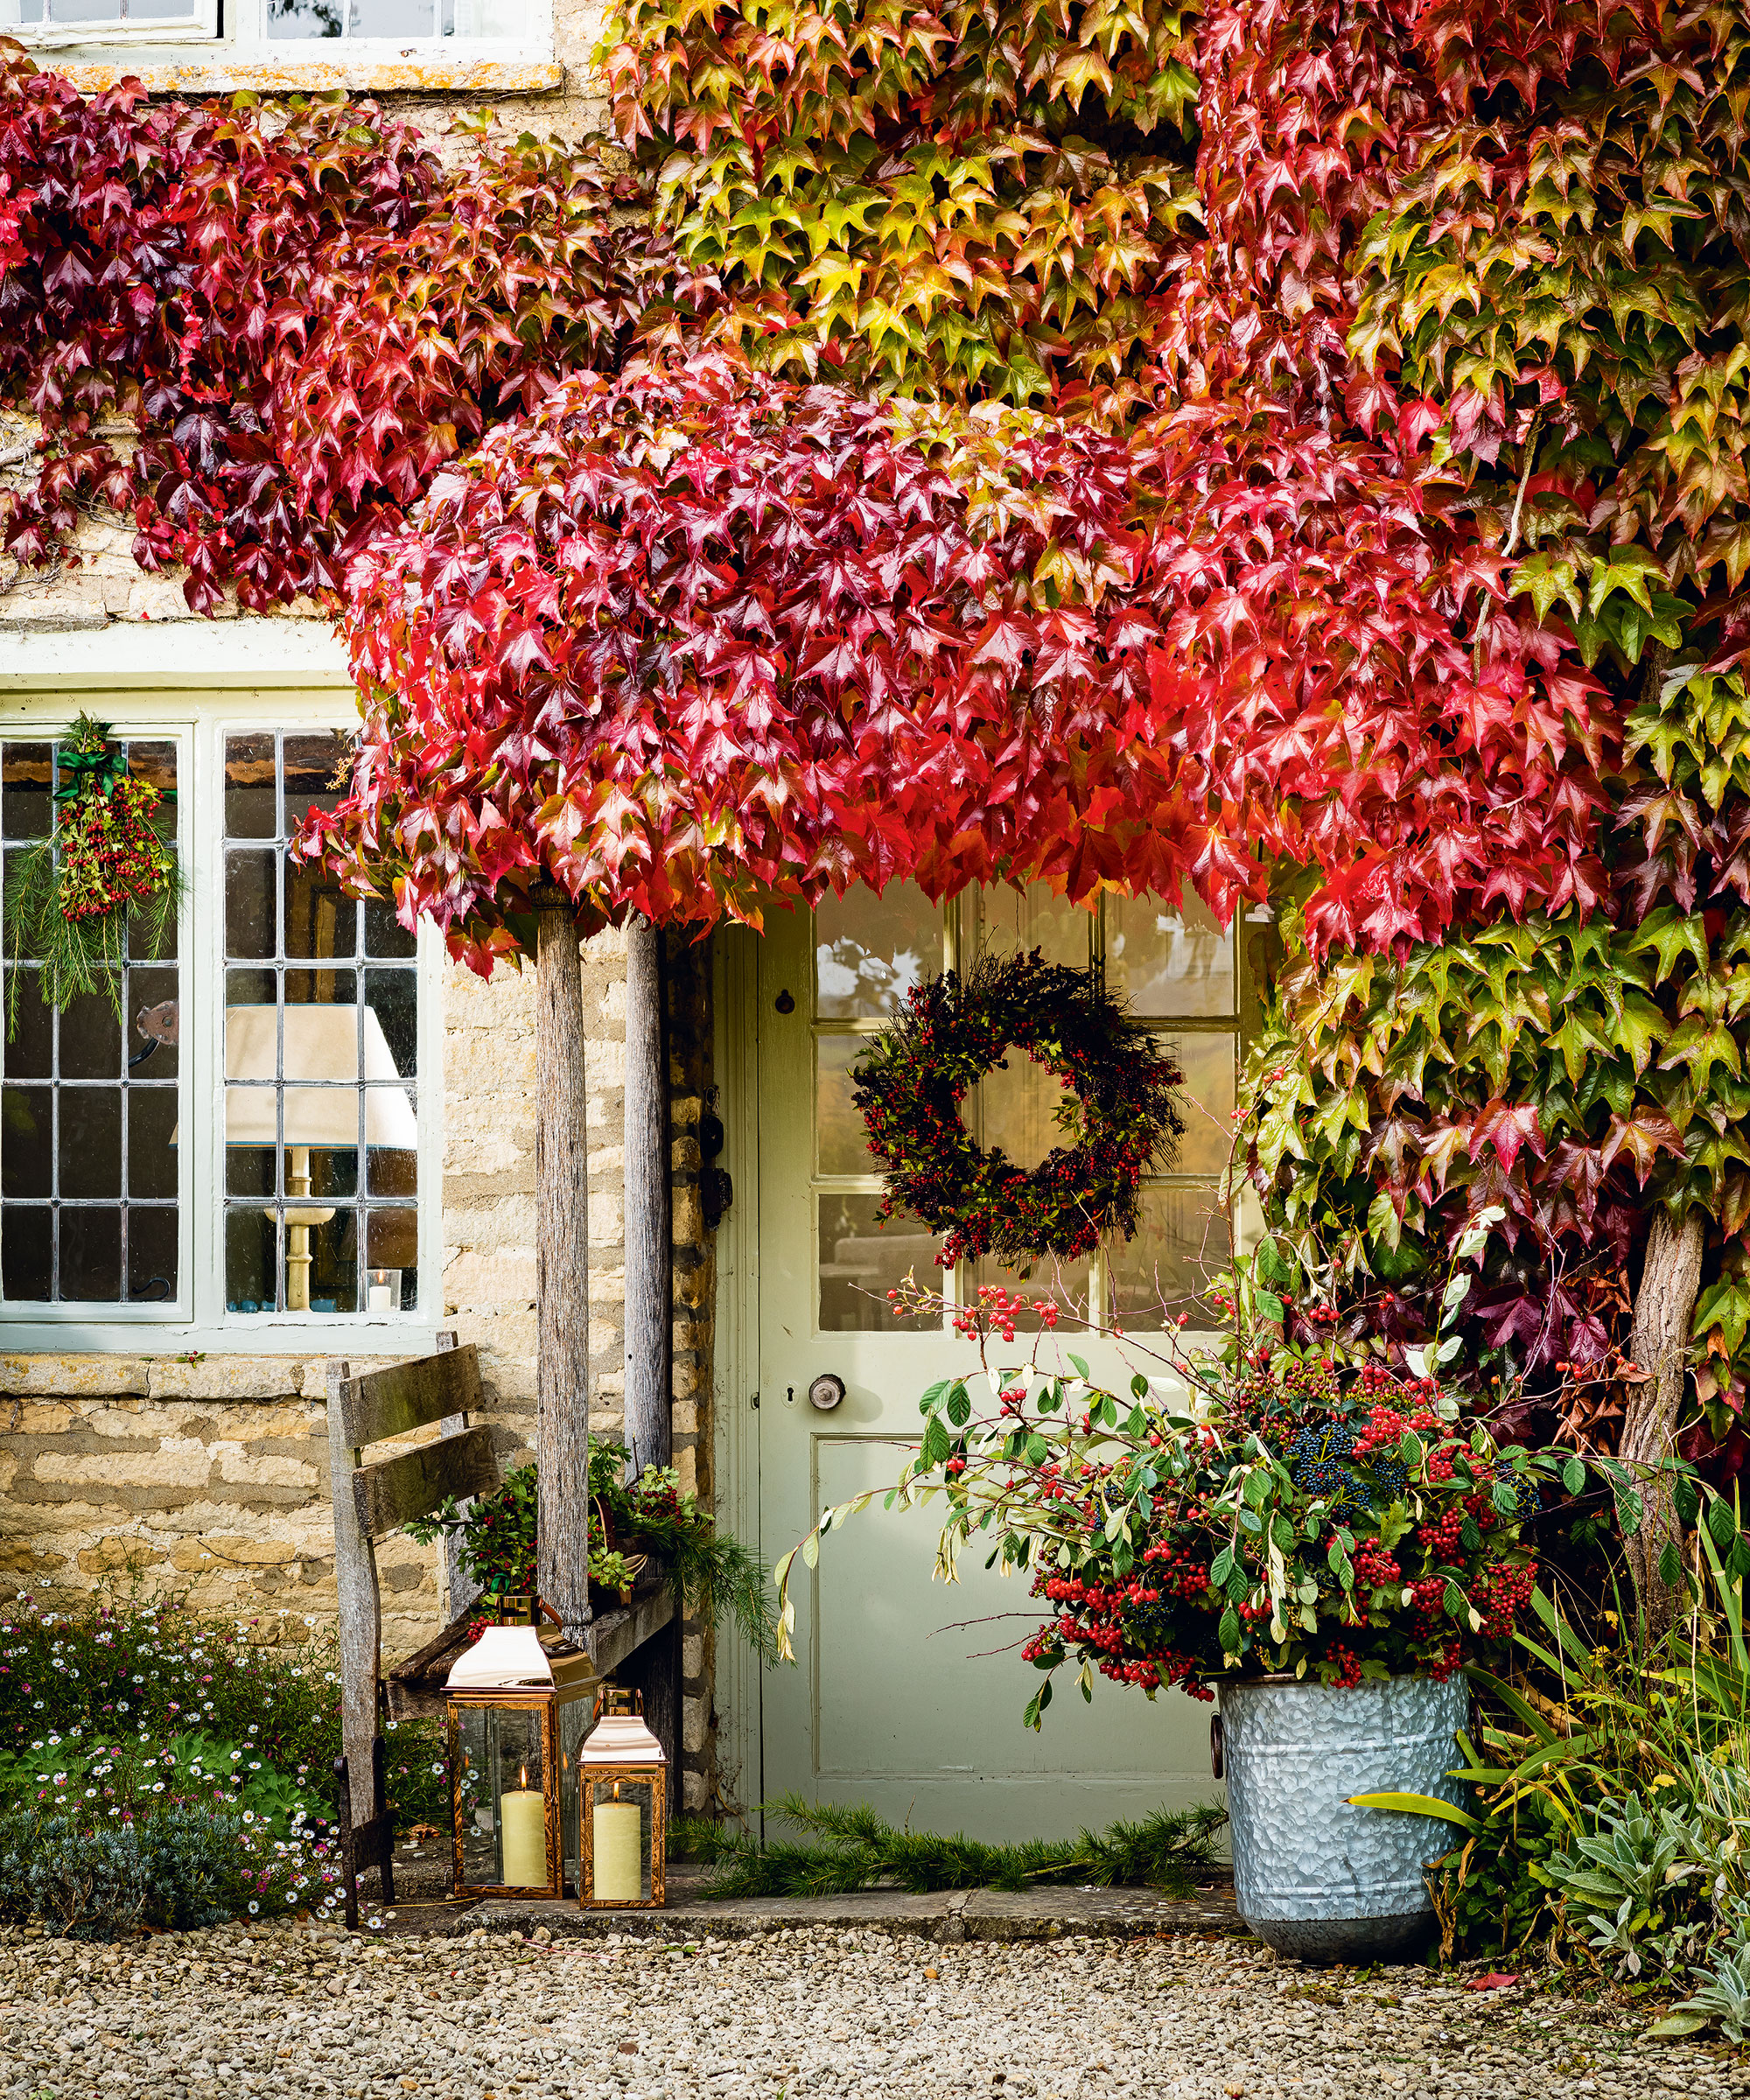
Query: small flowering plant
(1316, 1509)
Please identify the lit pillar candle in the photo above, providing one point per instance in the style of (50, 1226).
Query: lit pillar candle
(617, 1843)
(522, 1825)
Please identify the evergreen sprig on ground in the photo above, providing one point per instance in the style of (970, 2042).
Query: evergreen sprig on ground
(1171, 1849)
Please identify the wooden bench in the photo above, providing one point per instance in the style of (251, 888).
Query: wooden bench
(371, 1501)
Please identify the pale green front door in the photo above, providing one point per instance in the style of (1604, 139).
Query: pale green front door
(908, 1693)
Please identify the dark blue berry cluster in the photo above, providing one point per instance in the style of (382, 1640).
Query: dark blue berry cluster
(1315, 1456)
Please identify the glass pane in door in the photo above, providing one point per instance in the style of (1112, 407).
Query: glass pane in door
(870, 951)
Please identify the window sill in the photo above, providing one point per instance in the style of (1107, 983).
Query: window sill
(274, 1335)
(160, 73)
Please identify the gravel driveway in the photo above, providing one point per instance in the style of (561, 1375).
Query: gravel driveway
(280, 2011)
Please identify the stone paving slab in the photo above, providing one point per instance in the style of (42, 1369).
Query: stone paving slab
(948, 1917)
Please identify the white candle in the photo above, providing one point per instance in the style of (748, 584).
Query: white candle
(379, 1300)
(523, 1821)
(619, 1851)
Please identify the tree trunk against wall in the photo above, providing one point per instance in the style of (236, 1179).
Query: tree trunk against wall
(649, 1252)
(1664, 1306)
(562, 1267)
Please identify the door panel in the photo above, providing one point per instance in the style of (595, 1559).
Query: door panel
(908, 1692)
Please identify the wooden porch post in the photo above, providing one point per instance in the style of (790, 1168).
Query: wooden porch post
(649, 1249)
(656, 1669)
(561, 1206)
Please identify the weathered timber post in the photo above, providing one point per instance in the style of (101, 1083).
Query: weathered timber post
(656, 1670)
(562, 1204)
(650, 1255)
(358, 1608)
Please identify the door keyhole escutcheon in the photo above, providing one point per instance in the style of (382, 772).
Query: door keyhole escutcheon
(827, 1391)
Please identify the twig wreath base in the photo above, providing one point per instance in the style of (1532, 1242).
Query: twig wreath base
(911, 1082)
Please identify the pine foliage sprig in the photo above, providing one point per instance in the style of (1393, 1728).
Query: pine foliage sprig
(1170, 1850)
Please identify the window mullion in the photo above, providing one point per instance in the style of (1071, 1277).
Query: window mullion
(203, 1100)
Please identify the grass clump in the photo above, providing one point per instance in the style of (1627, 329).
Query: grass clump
(854, 1848)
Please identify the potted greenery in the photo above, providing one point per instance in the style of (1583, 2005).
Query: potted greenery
(1320, 1531)
(636, 1523)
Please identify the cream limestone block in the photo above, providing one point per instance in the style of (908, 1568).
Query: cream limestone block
(225, 1378)
(111, 1555)
(35, 1418)
(692, 1724)
(177, 1462)
(503, 1278)
(240, 1468)
(195, 1555)
(72, 1377)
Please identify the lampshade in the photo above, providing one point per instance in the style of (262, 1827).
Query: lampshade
(622, 1738)
(321, 1043)
(503, 1656)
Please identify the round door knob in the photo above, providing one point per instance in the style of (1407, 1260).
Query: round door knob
(827, 1391)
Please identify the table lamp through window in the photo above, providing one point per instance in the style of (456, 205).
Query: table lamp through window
(318, 1104)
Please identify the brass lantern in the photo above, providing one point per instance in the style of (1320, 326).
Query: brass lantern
(621, 1809)
(521, 1699)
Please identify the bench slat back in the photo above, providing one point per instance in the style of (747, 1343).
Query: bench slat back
(407, 1396)
(396, 1490)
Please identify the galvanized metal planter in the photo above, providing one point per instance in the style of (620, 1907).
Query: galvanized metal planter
(1314, 1876)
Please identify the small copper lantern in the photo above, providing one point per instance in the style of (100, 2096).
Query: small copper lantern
(521, 1699)
(622, 1786)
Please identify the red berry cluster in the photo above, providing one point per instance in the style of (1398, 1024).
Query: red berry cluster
(110, 857)
(1375, 1568)
(995, 1312)
(1385, 1425)
(1347, 1671)
(1439, 1535)
(1179, 1566)
(1499, 1592)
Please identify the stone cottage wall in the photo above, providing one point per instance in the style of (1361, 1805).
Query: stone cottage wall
(208, 1477)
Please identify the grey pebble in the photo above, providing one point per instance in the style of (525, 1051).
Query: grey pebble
(311, 2015)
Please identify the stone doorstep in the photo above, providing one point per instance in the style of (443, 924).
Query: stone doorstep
(951, 1915)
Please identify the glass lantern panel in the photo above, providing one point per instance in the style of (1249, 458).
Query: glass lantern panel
(574, 1725)
(620, 1812)
(499, 1798)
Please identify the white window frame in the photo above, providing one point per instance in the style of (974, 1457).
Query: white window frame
(200, 720)
(246, 43)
